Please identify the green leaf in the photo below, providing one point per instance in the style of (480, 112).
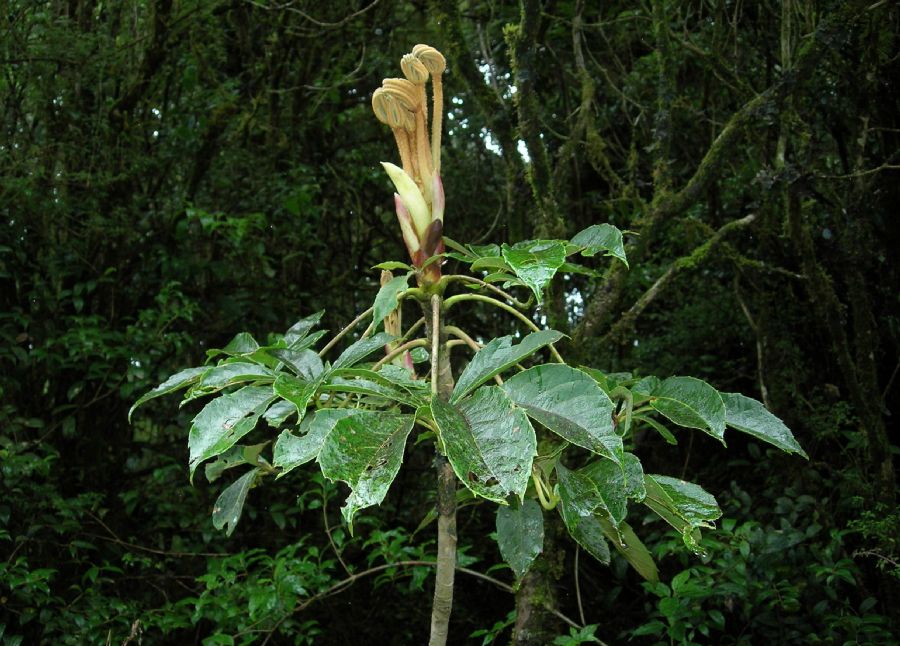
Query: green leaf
(391, 265)
(276, 415)
(361, 349)
(615, 484)
(228, 374)
(307, 341)
(386, 299)
(296, 391)
(691, 402)
(177, 381)
(233, 457)
(371, 387)
(589, 534)
(489, 262)
(365, 451)
(230, 503)
(631, 548)
(224, 421)
(242, 343)
(601, 237)
(578, 496)
(497, 356)
(750, 416)
(304, 363)
(684, 505)
(292, 451)
(490, 443)
(569, 403)
(520, 534)
(299, 330)
(535, 262)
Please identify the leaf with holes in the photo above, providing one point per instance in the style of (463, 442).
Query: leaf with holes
(600, 237)
(490, 443)
(365, 451)
(292, 451)
(224, 421)
(535, 262)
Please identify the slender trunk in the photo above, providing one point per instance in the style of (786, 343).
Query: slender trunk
(442, 386)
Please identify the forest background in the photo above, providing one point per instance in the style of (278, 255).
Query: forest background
(173, 172)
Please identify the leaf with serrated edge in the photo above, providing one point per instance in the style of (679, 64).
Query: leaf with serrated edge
(386, 299)
(230, 503)
(520, 534)
(535, 262)
(750, 416)
(361, 349)
(692, 403)
(365, 451)
(601, 237)
(497, 356)
(177, 381)
(569, 403)
(490, 443)
(292, 451)
(224, 421)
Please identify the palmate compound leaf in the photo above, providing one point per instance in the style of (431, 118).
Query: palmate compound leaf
(497, 356)
(179, 380)
(489, 441)
(751, 417)
(520, 534)
(224, 421)
(690, 402)
(230, 503)
(535, 262)
(365, 451)
(684, 505)
(571, 404)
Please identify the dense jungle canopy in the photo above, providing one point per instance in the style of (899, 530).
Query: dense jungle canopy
(173, 172)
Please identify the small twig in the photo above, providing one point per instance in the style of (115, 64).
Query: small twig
(409, 345)
(340, 335)
(115, 539)
(507, 308)
(342, 585)
(578, 587)
(334, 547)
(471, 279)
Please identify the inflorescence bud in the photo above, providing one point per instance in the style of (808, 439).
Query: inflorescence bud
(402, 105)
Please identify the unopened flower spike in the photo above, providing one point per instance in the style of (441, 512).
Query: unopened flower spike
(402, 104)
